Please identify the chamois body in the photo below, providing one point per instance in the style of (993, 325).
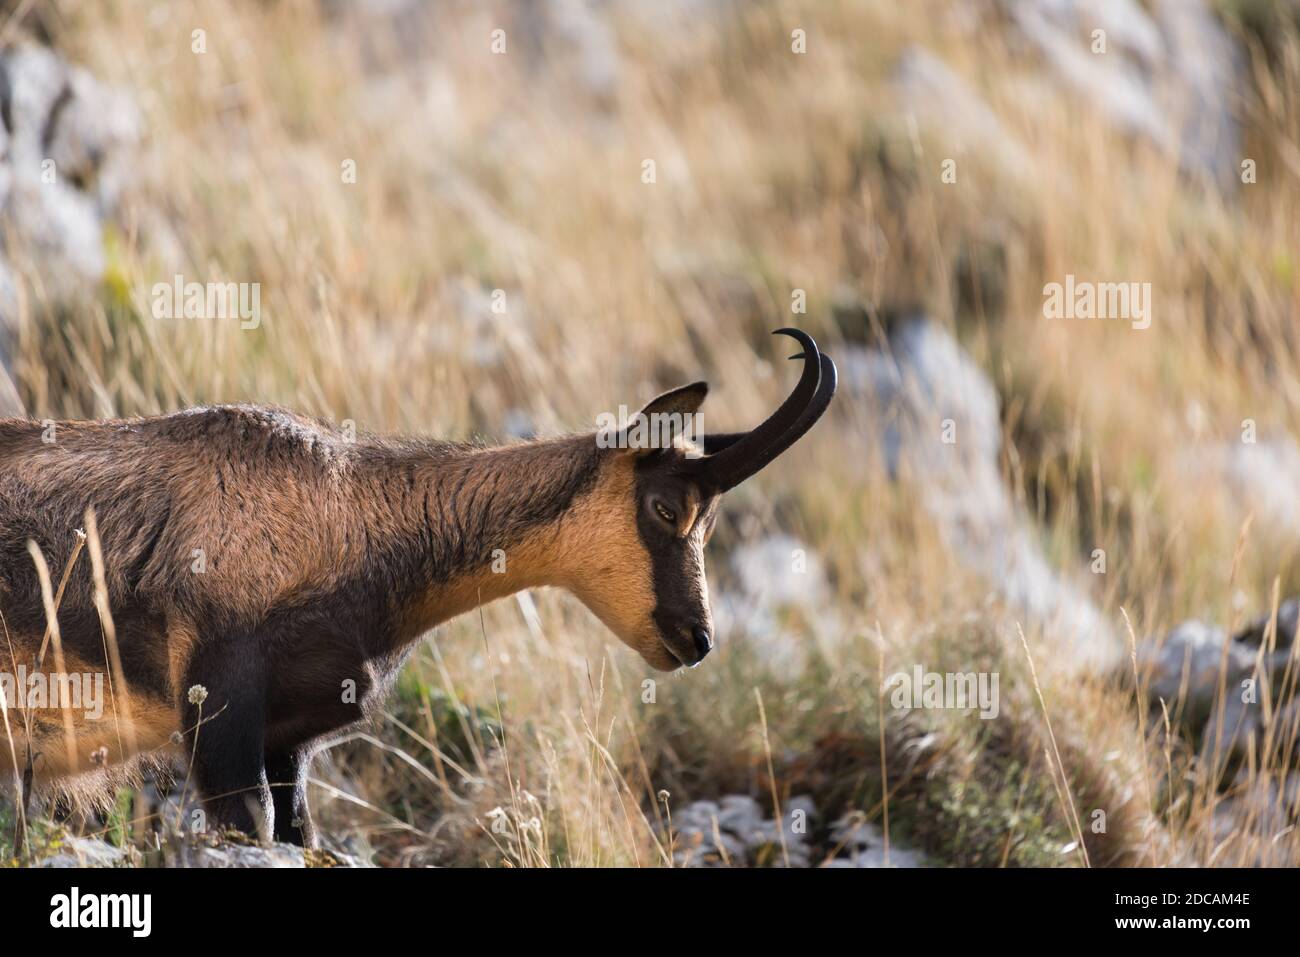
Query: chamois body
(287, 568)
(282, 566)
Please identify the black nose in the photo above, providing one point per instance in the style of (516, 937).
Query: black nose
(703, 641)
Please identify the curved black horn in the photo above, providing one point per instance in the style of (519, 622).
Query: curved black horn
(736, 458)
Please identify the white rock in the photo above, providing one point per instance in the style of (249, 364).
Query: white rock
(854, 833)
(739, 814)
(1207, 70)
(1128, 27)
(1254, 477)
(52, 225)
(1168, 77)
(924, 390)
(1193, 652)
(240, 856)
(875, 857)
(1109, 83)
(939, 101)
(74, 851)
(765, 570)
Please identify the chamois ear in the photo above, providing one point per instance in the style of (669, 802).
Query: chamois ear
(665, 419)
(685, 399)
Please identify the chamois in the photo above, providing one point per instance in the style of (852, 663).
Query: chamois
(289, 569)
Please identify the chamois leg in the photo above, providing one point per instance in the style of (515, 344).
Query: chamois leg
(225, 733)
(287, 773)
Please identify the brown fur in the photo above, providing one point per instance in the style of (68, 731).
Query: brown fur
(593, 542)
(338, 554)
(267, 574)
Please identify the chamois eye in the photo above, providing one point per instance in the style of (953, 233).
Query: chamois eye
(666, 513)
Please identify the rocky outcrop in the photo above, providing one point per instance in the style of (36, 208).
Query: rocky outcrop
(1166, 77)
(66, 146)
(941, 432)
(734, 832)
(860, 843)
(769, 577)
(209, 851)
(69, 850)
(1234, 698)
(218, 852)
(1213, 683)
(1255, 477)
(937, 98)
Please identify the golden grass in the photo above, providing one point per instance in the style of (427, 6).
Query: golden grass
(523, 739)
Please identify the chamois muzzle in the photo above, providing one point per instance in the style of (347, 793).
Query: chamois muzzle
(731, 458)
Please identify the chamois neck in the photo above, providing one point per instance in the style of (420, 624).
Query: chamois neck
(468, 525)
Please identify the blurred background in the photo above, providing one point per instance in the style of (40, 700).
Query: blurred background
(499, 219)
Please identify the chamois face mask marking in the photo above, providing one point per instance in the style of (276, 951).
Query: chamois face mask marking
(673, 505)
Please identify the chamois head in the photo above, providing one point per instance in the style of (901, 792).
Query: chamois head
(657, 504)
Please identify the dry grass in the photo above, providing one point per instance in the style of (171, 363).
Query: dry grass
(523, 739)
